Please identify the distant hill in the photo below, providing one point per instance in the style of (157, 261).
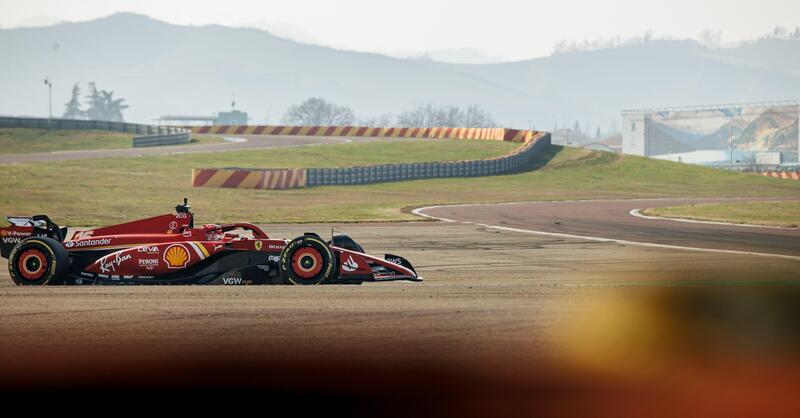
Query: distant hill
(161, 68)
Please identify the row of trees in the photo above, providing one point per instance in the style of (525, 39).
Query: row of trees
(101, 105)
(564, 46)
(782, 32)
(320, 112)
(711, 39)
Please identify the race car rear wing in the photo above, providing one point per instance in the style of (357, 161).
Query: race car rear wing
(26, 226)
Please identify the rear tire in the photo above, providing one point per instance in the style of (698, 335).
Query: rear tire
(38, 261)
(307, 260)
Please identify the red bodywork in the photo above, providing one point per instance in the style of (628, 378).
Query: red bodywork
(165, 246)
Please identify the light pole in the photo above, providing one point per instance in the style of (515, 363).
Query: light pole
(731, 142)
(49, 102)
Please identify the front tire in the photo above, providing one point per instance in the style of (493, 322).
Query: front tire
(38, 261)
(307, 260)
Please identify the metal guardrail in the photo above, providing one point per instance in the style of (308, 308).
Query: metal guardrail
(158, 133)
(521, 159)
(518, 160)
(160, 140)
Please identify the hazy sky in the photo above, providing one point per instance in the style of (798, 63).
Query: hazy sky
(509, 29)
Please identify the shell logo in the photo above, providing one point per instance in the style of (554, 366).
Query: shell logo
(176, 256)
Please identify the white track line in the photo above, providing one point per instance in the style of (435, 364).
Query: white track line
(234, 139)
(638, 213)
(419, 211)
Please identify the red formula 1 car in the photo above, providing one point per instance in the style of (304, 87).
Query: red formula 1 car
(169, 249)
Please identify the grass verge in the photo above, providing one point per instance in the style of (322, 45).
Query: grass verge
(25, 140)
(95, 192)
(779, 213)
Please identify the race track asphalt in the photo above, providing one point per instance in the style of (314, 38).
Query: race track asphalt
(239, 142)
(611, 219)
(494, 330)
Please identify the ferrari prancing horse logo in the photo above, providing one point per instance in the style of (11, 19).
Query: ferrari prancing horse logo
(259, 244)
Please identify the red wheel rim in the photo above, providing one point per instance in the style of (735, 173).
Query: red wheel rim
(307, 262)
(32, 264)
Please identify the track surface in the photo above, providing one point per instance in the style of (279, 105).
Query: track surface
(252, 142)
(611, 219)
(482, 336)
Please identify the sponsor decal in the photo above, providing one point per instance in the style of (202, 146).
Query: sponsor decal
(350, 265)
(232, 280)
(107, 266)
(173, 225)
(176, 256)
(397, 261)
(88, 243)
(148, 250)
(12, 233)
(11, 240)
(82, 234)
(276, 247)
(181, 216)
(259, 244)
(218, 247)
(235, 281)
(145, 262)
(263, 267)
(274, 259)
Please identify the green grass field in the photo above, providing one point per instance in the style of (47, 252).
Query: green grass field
(779, 213)
(24, 140)
(94, 192)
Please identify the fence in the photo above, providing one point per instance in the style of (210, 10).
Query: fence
(159, 134)
(519, 160)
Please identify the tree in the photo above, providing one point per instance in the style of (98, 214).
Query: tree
(577, 127)
(430, 116)
(95, 110)
(316, 111)
(780, 32)
(72, 109)
(476, 117)
(598, 135)
(113, 107)
(710, 39)
(103, 105)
